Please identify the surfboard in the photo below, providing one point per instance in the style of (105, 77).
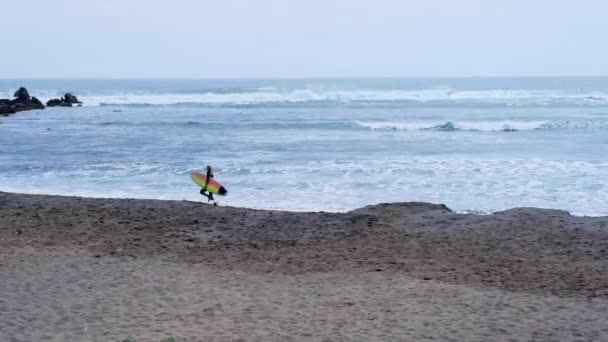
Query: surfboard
(213, 186)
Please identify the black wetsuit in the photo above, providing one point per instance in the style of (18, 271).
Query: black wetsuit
(204, 191)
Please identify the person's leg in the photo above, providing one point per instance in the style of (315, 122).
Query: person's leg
(208, 195)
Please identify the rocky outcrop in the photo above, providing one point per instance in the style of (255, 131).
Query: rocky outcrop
(58, 103)
(22, 94)
(66, 101)
(6, 109)
(21, 102)
(37, 102)
(69, 98)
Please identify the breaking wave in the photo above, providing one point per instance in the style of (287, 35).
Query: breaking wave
(445, 126)
(487, 126)
(307, 96)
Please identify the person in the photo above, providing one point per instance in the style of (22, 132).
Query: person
(204, 190)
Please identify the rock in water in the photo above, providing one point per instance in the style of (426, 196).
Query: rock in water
(58, 103)
(65, 101)
(22, 94)
(69, 98)
(22, 102)
(20, 107)
(36, 104)
(6, 110)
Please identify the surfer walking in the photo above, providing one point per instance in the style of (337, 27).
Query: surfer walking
(204, 190)
(209, 185)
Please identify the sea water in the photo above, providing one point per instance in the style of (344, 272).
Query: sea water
(476, 144)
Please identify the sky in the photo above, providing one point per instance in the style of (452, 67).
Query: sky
(302, 38)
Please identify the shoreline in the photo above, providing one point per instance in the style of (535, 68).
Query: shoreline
(189, 270)
(475, 212)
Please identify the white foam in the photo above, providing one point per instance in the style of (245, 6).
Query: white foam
(496, 125)
(513, 97)
(272, 95)
(479, 185)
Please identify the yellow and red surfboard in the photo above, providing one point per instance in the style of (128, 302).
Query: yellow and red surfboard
(213, 186)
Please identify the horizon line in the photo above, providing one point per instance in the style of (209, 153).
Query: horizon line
(227, 78)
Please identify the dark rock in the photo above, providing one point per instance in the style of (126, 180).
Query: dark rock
(69, 98)
(37, 104)
(19, 107)
(53, 102)
(22, 94)
(58, 103)
(22, 102)
(65, 101)
(6, 109)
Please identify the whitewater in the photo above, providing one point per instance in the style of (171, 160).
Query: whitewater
(476, 145)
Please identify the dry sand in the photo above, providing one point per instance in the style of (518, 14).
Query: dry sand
(80, 269)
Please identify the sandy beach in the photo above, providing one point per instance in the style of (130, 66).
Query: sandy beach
(83, 269)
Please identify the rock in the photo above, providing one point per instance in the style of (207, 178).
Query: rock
(22, 102)
(6, 110)
(58, 103)
(19, 107)
(37, 104)
(65, 101)
(69, 98)
(22, 94)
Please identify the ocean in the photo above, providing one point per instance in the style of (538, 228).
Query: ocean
(475, 144)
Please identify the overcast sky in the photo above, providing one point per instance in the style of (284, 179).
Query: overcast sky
(302, 38)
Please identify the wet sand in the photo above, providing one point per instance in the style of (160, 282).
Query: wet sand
(81, 269)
